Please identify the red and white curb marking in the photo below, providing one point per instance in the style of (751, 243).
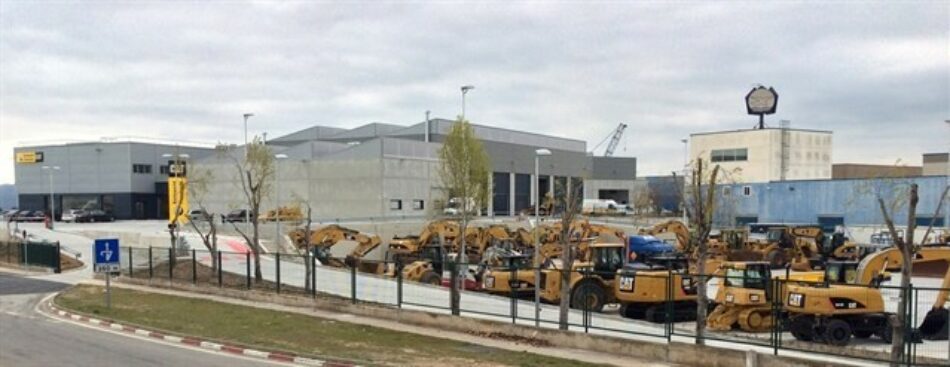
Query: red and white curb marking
(195, 342)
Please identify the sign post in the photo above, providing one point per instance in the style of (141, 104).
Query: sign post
(761, 101)
(106, 253)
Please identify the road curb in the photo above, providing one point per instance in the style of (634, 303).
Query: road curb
(197, 342)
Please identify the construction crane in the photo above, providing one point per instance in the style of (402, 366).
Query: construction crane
(614, 140)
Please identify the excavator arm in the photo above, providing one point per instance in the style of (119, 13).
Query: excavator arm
(671, 226)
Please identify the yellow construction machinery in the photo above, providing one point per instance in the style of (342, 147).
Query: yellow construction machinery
(673, 226)
(833, 313)
(745, 295)
(937, 321)
(591, 280)
(797, 246)
(286, 214)
(643, 290)
(321, 240)
(441, 230)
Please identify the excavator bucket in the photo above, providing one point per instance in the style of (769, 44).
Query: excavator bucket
(935, 325)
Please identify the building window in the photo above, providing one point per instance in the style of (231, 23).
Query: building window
(727, 191)
(142, 168)
(925, 221)
(746, 190)
(730, 155)
(163, 169)
(395, 204)
(418, 204)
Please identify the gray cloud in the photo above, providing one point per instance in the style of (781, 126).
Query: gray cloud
(876, 73)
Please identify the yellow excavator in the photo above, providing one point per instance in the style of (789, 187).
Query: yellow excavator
(445, 230)
(833, 313)
(328, 236)
(673, 226)
(286, 213)
(936, 325)
(744, 298)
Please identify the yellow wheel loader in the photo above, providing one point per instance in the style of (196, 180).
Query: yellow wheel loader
(834, 313)
(643, 290)
(744, 298)
(591, 281)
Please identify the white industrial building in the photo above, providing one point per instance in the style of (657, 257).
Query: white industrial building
(769, 154)
(386, 170)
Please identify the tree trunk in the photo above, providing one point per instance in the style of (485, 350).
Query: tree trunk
(906, 247)
(256, 247)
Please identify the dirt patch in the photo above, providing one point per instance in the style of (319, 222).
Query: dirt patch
(512, 338)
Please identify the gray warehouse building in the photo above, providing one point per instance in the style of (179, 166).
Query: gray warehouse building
(125, 178)
(385, 170)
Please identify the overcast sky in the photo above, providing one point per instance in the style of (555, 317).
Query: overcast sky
(877, 74)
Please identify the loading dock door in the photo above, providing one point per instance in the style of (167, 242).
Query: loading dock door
(829, 222)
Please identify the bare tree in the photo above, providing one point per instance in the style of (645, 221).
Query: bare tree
(255, 174)
(572, 205)
(889, 200)
(700, 207)
(198, 188)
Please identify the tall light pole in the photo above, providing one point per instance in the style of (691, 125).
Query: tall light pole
(465, 89)
(537, 241)
(52, 203)
(685, 170)
(278, 157)
(246, 116)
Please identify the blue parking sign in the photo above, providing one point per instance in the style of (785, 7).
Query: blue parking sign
(106, 253)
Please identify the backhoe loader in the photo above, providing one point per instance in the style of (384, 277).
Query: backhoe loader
(326, 237)
(833, 313)
(591, 280)
(444, 230)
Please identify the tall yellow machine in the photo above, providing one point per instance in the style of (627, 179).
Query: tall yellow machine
(833, 313)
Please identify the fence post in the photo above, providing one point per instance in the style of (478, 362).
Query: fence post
(586, 314)
(313, 276)
(277, 256)
(512, 278)
(220, 272)
(777, 302)
(670, 311)
(247, 265)
(353, 284)
(399, 284)
(171, 264)
(150, 273)
(130, 262)
(454, 293)
(194, 268)
(58, 260)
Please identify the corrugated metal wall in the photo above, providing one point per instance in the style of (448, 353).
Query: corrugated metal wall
(806, 201)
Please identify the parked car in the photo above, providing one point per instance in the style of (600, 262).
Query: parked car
(9, 214)
(238, 215)
(198, 215)
(29, 216)
(71, 214)
(94, 216)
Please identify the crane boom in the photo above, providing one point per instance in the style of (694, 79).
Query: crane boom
(615, 140)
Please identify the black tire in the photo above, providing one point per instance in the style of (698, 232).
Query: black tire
(886, 332)
(631, 312)
(862, 334)
(430, 277)
(837, 332)
(596, 296)
(802, 328)
(655, 314)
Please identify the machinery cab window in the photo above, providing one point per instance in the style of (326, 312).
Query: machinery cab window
(844, 272)
(607, 259)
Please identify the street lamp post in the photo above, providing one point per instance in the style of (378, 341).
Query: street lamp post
(465, 89)
(537, 241)
(279, 158)
(52, 203)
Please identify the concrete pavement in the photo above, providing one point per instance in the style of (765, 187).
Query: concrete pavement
(28, 338)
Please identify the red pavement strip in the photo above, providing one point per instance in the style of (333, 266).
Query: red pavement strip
(195, 342)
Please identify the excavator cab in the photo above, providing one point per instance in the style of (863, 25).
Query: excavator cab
(841, 272)
(606, 260)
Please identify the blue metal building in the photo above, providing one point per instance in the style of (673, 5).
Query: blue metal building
(829, 202)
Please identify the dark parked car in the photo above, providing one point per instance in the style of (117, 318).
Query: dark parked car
(29, 216)
(94, 216)
(237, 215)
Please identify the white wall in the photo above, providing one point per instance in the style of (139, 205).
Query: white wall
(809, 155)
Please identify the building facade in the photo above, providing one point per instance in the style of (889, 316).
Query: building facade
(127, 179)
(851, 202)
(936, 164)
(386, 170)
(763, 155)
(852, 170)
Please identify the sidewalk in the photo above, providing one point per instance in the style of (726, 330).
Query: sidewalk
(573, 354)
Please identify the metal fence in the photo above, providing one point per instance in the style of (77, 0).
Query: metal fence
(659, 315)
(32, 253)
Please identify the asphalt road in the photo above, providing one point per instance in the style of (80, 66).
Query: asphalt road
(28, 338)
